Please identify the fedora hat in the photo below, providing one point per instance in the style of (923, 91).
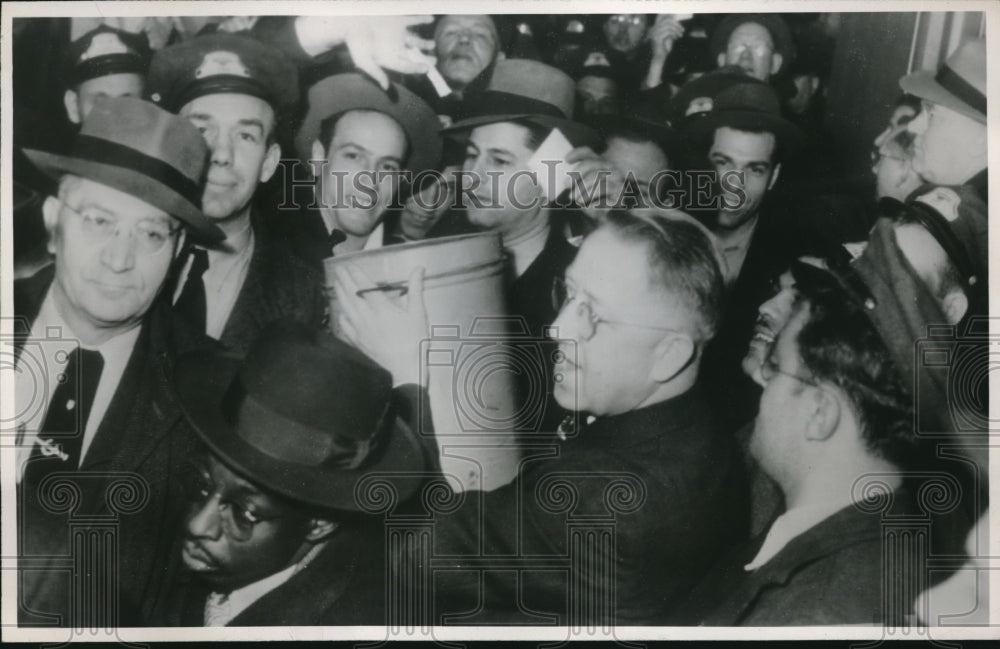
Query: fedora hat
(340, 93)
(960, 84)
(140, 149)
(748, 105)
(304, 415)
(528, 91)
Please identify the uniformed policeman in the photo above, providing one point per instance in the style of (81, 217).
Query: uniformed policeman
(236, 91)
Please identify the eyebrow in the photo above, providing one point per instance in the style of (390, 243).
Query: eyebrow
(355, 145)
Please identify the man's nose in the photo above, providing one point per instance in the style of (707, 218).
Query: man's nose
(222, 150)
(882, 137)
(205, 522)
(118, 254)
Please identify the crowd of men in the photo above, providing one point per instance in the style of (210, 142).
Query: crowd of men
(736, 408)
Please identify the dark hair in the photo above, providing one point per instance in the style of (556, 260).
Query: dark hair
(682, 260)
(839, 344)
(328, 127)
(776, 156)
(949, 277)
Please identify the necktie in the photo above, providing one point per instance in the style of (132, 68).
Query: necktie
(60, 440)
(191, 304)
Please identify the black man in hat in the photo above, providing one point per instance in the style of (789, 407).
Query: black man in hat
(280, 526)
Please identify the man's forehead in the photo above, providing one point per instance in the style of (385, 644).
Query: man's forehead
(751, 32)
(93, 195)
(746, 144)
(482, 21)
(230, 106)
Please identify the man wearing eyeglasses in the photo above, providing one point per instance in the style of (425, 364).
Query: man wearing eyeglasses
(639, 303)
(951, 128)
(834, 410)
(93, 390)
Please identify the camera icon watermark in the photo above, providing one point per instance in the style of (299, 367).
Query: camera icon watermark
(952, 382)
(39, 365)
(499, 375)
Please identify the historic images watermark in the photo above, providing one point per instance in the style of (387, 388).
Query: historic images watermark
(606, 189)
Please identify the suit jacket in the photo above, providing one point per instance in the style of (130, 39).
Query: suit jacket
(773, 247)
(143, 433)
(343, 585)
(836, 572)
(531, 294)
(664, 480)
(278, 286)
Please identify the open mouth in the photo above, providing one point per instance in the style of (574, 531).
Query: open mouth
(761, 334)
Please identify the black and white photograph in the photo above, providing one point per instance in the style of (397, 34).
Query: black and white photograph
(519, 324)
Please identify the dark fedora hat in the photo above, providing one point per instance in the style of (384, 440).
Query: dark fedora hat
(750, 106)
(340, 93)
(140, 149)
(527, 91)
(304, 415)
(960, 83)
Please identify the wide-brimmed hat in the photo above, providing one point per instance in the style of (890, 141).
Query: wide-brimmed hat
(140, 149)
(340, 93)
(304, 415)
(522, 90)
(960, 83)
(749, 106)
(773, 23)
(220, 63)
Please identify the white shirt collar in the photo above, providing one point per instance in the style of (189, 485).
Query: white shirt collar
(56, 336)
(221, 609)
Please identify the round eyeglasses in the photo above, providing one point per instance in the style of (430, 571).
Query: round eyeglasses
(238, 517)
(150, 235)
(563, 294)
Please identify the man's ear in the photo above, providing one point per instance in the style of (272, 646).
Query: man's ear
(721, 60)
(72, 103)
(50, 217)
(271, 160)
(825, 416)
(670, 356)
(954, 305)
(319, 529)
(774, 176)
(776, 61)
